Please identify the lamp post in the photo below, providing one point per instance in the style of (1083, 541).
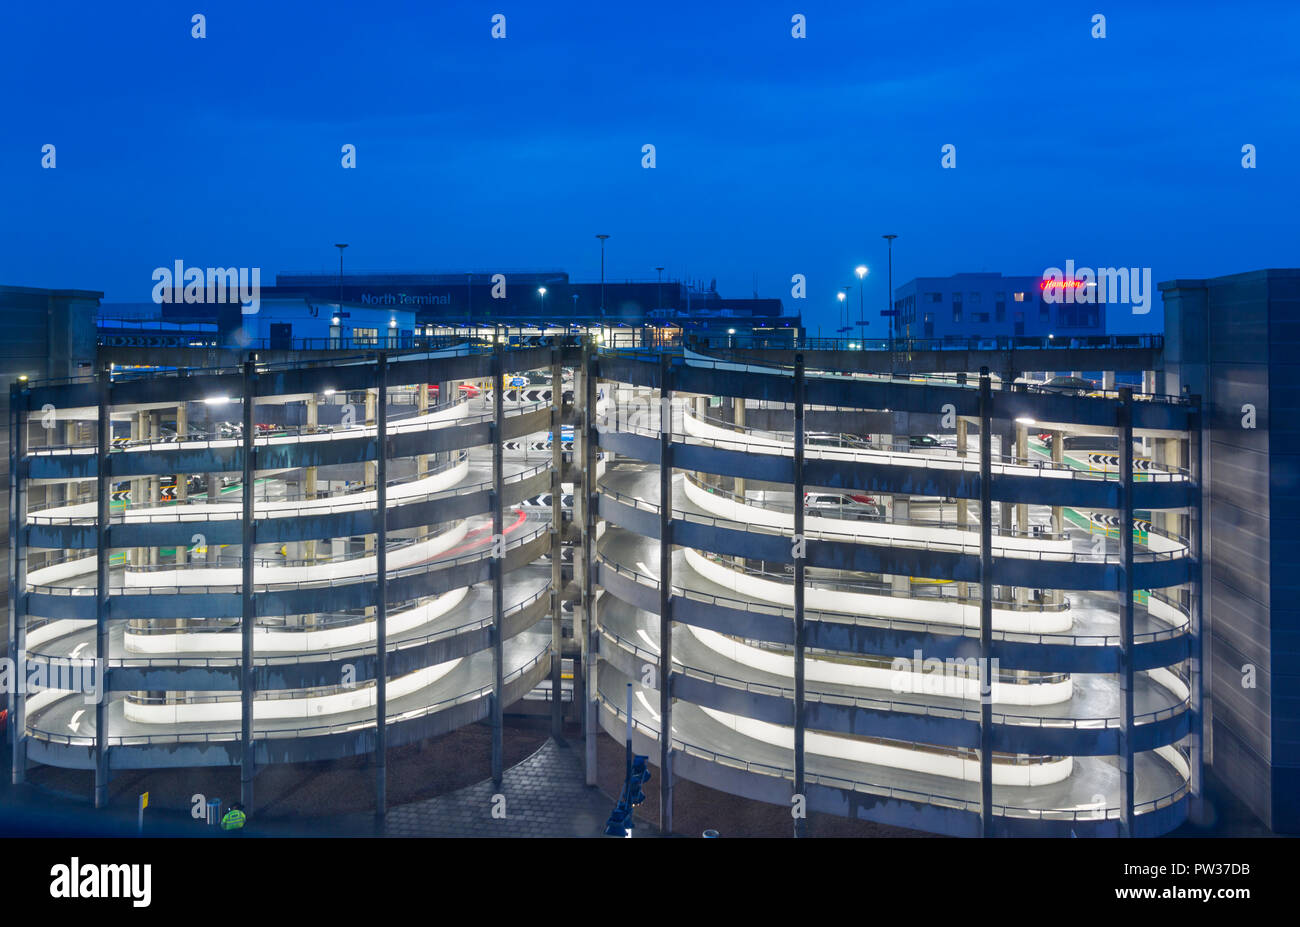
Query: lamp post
(469, 305)
(340, 247)
(861, 271)
(843, 295)
(892, 310)
(541, 293)
(660, 298)
(602, 276)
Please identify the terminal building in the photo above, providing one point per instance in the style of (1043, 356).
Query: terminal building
(390, 310)
(547, 300)
(943, 600)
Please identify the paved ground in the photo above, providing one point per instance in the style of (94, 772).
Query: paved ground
(543, 796)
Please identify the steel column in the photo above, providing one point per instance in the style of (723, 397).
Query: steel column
(986, 604)
(1126, 772)
(557, 545)
(590, 722)
(18, 423)
(1194, 534)
(498, 562)
(248, 613)
(665, 593)
(800, 786)
(381, 586)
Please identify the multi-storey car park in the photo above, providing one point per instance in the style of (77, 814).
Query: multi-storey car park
(982, 632)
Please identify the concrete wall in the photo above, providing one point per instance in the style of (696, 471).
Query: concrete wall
(1233, 340)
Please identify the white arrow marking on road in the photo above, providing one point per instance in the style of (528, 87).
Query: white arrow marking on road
(76, 719)
(640, 697)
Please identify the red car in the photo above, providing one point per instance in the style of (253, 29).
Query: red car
(466, 389)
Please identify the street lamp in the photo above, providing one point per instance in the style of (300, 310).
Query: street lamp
(892, 310)
(602, 275)
(340, 247)
(861, 271)
(541, 292)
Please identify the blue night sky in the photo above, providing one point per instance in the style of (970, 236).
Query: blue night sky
(775, 156)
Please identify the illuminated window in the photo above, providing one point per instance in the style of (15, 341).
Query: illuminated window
(1020, 297)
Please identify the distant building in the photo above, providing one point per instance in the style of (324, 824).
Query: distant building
(1233, 340)
(967, 306)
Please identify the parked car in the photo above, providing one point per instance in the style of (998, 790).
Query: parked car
(841, 505)
(1071, 386)
(833, 439)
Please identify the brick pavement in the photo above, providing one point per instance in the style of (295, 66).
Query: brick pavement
(544, 796)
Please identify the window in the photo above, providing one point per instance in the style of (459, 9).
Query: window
(365, 336)
(981, 317)
(956, 311)
(934, 297)
(1000, 309)
(1020, 297)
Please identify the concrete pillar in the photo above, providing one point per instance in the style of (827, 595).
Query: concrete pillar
(309, 477)
(212, 497)
(584, 679)
(248, 613)
(664, 675)
(1128, 780)
(137, 485)
(381, 588)
(557, 546)
(963, 505)
(738, 405)
(18, 489)
(1022, 457)
(902, 511)
(986, 601)
(182, 479)
(1108, 379)
(422, 408)
(800, 785)
(102, 595)
(498, 569)
(155, 481)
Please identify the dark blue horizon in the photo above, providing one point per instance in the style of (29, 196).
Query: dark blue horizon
(775, 156)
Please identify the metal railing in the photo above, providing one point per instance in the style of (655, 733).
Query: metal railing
(970, 549)
(888, 791)
(437, 565)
